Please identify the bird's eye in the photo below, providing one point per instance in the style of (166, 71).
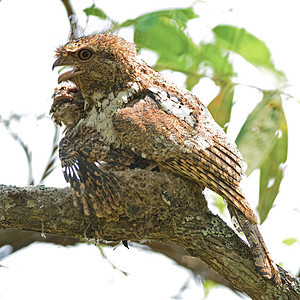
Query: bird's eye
(85, 54)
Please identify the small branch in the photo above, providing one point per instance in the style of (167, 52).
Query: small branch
(53, 156)
(72, 19)
(18, 139)
(154, 206)
(28, 154)
(18, 239)
(191, 263)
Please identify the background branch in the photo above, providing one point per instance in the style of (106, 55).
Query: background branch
(72, 19)
(155, 206)
(16, 239)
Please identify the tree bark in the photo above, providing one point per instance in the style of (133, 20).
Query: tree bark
(154, 207)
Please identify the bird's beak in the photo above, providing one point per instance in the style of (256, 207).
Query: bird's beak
(59, 62)
(66, 75)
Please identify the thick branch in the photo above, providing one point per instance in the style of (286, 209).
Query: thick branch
(155, 206)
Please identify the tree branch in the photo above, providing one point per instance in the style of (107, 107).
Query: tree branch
(194, 264)
(72, 19)
(155, 206)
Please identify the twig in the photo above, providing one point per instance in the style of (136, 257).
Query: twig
(17, 138)
(72, 19)
(53, 157)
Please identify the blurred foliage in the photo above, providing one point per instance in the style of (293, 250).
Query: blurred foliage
(248, 46)
(258, 134)
(289, 241)
(271, 170)
(208, 285)
(165, 32)
(263, 137)
(95, 11)
(263, 143)
(218, 202)
(220, 107)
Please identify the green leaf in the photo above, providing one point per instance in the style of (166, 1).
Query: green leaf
(220, 107)
(213, 56)
(258, 134)
(208, 285)
(290, 241)
(192, 79)
(61, 69)
(163, 32)
(180, 16)
(271, 170)
(95, 11)
(163, 36)
(218, 202)
(246, 45)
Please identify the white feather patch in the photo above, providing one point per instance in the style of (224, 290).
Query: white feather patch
(172, 105)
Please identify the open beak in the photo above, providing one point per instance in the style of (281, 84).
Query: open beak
(68, 74)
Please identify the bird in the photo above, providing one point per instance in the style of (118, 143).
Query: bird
(133, 112)
(67, 107)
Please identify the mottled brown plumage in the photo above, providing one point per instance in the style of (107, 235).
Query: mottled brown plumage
(67, 107)
(84, 153)
(131, 110)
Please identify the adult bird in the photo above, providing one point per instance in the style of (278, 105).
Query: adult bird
(132, 110)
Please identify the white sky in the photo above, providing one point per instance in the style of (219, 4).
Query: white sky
(30, 32)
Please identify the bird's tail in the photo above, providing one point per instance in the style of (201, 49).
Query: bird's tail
(262, 259)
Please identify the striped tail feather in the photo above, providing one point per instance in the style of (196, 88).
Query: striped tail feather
(215, 177)
(262, 259)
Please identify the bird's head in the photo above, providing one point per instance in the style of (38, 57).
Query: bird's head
(67, 107)
(99, 63)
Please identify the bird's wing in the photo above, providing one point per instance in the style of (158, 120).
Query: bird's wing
(79, 151)
(161, 128)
